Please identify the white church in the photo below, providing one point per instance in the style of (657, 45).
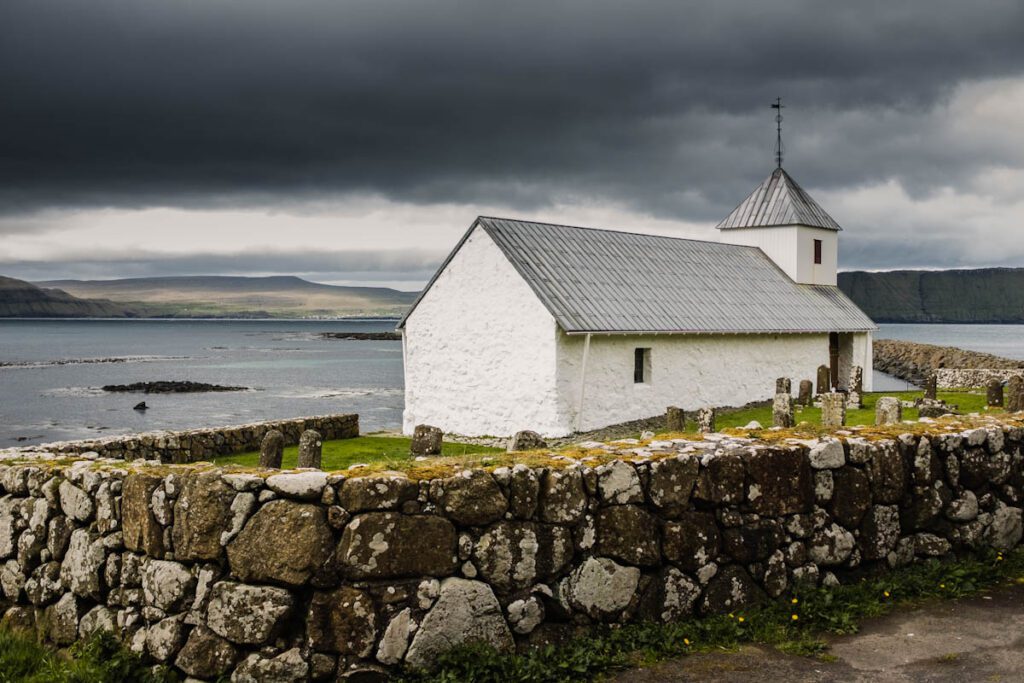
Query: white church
(561, 329)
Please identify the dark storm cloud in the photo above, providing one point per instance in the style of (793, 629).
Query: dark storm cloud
(660, 105)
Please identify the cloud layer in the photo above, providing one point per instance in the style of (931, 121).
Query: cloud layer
(656, 109)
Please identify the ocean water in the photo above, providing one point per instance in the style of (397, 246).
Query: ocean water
(291, 372)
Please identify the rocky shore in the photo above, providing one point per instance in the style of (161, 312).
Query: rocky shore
(912, 361)
(169, 387)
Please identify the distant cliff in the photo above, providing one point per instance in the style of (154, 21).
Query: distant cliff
(20, 299)
(985, 295)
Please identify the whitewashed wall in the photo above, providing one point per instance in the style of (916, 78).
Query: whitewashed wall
(480, 350)
(686, 371)
(792, 249)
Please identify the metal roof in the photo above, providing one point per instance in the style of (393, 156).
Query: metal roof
(779, 200)
(608, 281)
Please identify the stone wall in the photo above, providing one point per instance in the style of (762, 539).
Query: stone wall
(268, 575)
(194, 445)
(949, 378)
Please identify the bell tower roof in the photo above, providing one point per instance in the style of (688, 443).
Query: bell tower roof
(778, 200)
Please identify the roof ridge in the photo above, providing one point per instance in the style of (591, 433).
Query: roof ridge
(612, 230)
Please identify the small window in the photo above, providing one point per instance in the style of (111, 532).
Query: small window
(641, 366)
(817, 251)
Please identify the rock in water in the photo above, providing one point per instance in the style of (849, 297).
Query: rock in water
(141, 405)
(310, 449)
(426, 440)
(272, 449)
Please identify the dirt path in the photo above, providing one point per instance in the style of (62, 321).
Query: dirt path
(976, 639)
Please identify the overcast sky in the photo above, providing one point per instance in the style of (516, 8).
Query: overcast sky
(355, 142)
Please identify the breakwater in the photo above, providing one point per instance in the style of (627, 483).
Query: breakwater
(912, 361)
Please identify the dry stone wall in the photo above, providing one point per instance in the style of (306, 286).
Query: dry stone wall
(952, 378)
(194, 445)
(268, 575)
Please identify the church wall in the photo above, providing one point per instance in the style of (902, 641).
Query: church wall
(689, 371)
(480, 350)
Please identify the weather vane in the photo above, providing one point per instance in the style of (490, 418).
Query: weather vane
(778, 131)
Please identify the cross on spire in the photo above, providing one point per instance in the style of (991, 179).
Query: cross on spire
(778, 106)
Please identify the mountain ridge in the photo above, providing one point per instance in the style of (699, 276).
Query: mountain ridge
(981, 295)
(217, 296)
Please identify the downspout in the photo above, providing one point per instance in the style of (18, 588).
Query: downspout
(583, 383)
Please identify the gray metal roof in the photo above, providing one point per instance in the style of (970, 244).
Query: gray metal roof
(779, 200)
(608, 281)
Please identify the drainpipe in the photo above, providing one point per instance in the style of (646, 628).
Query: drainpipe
(583, 383)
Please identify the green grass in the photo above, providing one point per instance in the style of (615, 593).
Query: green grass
(968, 402)
(341, 453)
(794, 625)
(99, 659)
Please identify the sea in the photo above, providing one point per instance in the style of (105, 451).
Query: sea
(52, 371)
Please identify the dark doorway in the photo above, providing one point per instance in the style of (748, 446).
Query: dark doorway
(833, 359)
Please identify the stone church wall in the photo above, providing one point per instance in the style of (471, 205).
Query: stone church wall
(262, 575)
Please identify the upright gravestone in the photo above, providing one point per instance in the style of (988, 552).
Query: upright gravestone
(526, 441)
(272, 449)
(833, 410)
(994, 395)
(782, 411)
(783, 385)
(1015, 394)
(426, 440)
(888, 411)
(310, 449)
(675, 419)
(854, 398)
(806, 395)
(931, 386)
(706, 420)
(824, 380)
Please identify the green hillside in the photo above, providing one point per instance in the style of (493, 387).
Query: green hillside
(20, 299)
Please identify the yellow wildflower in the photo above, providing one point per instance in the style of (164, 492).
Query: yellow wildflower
(686, 641)
(795, 617)
(886, 593)
(794, 601)
(742, 620)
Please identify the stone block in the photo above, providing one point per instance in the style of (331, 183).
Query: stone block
(272, 449)
(310, 450)
(285, 542)
(824, 380)
(806, 394)
(706, 420)
(381, 545)
(888, 410)
(833, 410)
(526, 441)
(782, 411)
(994, 393)
(426, 440)
(675, 419)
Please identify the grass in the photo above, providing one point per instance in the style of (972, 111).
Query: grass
(385, 452)
(968, 402)
(341, 453)
(793, 625)
(98, 659)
